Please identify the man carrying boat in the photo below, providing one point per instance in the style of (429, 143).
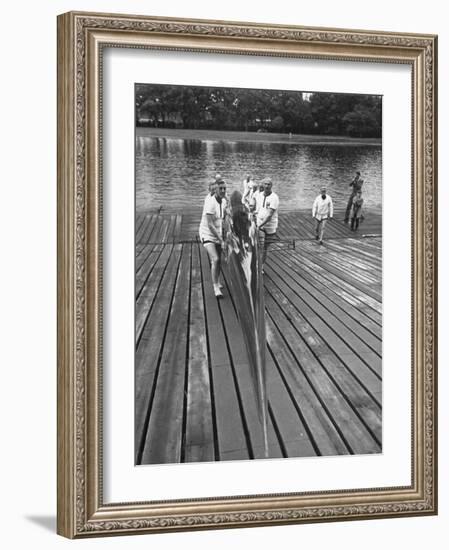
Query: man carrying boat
(267, 217)
(256, 200)
(211, 231)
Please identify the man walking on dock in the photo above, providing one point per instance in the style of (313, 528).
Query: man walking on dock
(322, 210)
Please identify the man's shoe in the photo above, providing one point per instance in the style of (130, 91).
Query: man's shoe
(321, 242)
(217, 292)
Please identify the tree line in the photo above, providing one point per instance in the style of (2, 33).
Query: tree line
(322, 113)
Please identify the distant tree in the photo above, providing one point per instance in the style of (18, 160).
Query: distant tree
(324, 113)
(365, 119)
(360, 122)
(277, 124)
(245, 109)
(251, 110)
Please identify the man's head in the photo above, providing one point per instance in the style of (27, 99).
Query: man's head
(220, 188)
(267, 185)
(357, 173)
(323, 191)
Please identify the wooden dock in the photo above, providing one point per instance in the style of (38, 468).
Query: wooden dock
(194, 396)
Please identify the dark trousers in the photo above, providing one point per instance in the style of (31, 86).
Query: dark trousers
(355, 223)
(349, 205)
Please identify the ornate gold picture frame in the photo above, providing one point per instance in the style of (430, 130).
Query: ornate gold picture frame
(82, 509)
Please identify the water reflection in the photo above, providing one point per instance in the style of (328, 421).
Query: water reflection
(176, 172)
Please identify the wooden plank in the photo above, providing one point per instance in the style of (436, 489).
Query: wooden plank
(346, 295)
(141, 230)
(360, 306)
(140, 220)
(352, 266)
(324, 433)
(164, 435)
(293, 326)
(325, 353)
(152, 285)
(297, 223)
(232, 443)
(294, 279)
(139, 249)
(333, 267)
(146, 268)
(343, 343)
(241, 369)
(294, 436)
(149, 350)
(159, 230)
(146, 237)
(370, 256)
(177, 229)
(348, 262)
(218, 384)
(199, 437)
(303, 225)
(348, 284)
(190, 225)
(145, 253)
(172, 228)
(166, 230)
(340, 311)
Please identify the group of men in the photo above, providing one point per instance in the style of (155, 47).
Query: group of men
(263, 204)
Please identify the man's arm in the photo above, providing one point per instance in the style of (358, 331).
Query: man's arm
(314, 208)
(267, 218)
(213, 229)
(331, 208)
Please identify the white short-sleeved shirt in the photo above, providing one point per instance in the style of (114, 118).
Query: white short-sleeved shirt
(248, 190)
(217, 210)
(257, 199)
(267, 203)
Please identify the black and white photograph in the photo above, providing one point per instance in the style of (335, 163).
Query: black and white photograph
(258, 274)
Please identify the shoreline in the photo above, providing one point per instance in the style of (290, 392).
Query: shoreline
(255, 137)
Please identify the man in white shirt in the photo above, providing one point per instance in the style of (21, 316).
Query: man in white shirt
(257, 200)
(322, 210)
(249, 186)
(211, 231)
(267, 217)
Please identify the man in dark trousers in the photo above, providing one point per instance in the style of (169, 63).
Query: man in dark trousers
(356, 185)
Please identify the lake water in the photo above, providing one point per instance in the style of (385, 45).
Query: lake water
(175, 173)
